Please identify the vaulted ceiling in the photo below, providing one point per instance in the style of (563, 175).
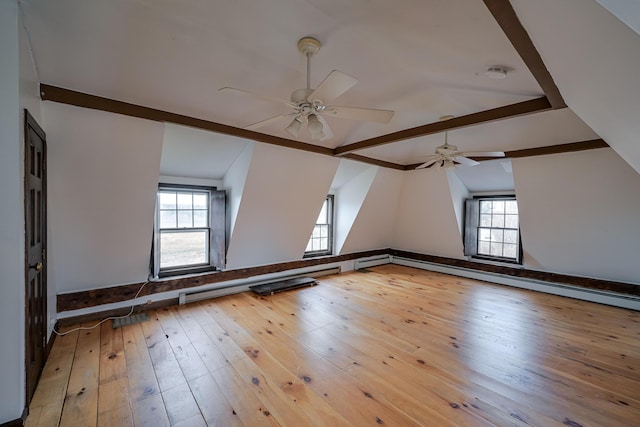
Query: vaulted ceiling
(422, 59)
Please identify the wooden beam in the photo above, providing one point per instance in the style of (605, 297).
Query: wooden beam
(539, 151)
(506, 17)
(79, 99)
(500, 113)
(375, 162)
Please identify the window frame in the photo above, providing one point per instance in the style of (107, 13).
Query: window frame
(212, 264)
(329, 200)
(472, 229)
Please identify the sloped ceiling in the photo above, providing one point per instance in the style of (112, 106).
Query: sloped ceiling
(594, 58)
(422, 59)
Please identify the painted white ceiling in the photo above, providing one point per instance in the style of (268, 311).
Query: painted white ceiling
(194, 153)
(492, 175)
(423, 59)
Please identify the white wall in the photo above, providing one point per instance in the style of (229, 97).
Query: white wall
(103, 177)
(580, 214)
(372, 227)
(594, 59)
(283, 193)
(348, 201)
(426, 220)
(12, 390)
(233, 184)
(30, 99)
(459, 193)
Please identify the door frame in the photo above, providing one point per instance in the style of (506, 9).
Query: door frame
(30, 123)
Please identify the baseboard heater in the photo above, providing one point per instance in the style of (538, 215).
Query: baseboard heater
(371, 262)
(221, 291)
(593, 295)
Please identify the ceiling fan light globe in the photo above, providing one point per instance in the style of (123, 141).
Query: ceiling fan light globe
(315, 125)
(294, 127)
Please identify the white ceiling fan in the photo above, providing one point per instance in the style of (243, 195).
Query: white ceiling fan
(447, 155)
(310, 105)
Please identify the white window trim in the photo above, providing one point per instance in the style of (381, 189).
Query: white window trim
(330, 199)
(157, 271)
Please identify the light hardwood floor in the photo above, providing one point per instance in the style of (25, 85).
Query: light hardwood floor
(395, 346)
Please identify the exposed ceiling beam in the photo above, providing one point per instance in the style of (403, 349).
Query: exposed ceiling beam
(506, 17)
(539, 151)
(500, 113)
(375, 162)
(79, 99)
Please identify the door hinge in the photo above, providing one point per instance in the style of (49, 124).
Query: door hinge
(44, 254)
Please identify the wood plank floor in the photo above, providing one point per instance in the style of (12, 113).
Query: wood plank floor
(394, 346)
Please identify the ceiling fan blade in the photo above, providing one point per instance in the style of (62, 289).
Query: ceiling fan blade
(482, 153)
(465, 161)
(334, 85)
(257, 96)
(268, 121)
(356, 113)
(429, 162)
(326, 129)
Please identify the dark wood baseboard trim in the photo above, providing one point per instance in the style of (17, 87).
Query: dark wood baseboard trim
(98, 316)
(96, 297)
(523, 273)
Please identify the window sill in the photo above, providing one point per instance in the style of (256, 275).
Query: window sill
(316, 254)
(495, 261)
(186, 271)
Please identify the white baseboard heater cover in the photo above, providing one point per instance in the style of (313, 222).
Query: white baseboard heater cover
(220, 291)
(593, 295)
(371, 262)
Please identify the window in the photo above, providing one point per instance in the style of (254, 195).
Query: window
(189, 230)
(321, 241)
(492, 229)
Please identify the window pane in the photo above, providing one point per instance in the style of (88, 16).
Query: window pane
(200, 201)
(324, 244)
(496, 249)
(316, 232)
(167, 219)
(323, 230)
(496, 235)
(183, 248)
(485, 220)
(484, 234)
(322, 218)
(485, 206)
(510, 236)
(308, 246)
(498, 206)
(510, 251)
(167, 200)
(484, 248)
(497, 221)
(315, 244)
(511, 207)
(185, 200)
(511, 221)
(185, 219)
(200, 218)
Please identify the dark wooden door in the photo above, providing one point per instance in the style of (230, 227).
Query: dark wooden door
(35, 201)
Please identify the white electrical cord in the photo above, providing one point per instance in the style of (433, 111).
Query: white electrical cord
(86, 328)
